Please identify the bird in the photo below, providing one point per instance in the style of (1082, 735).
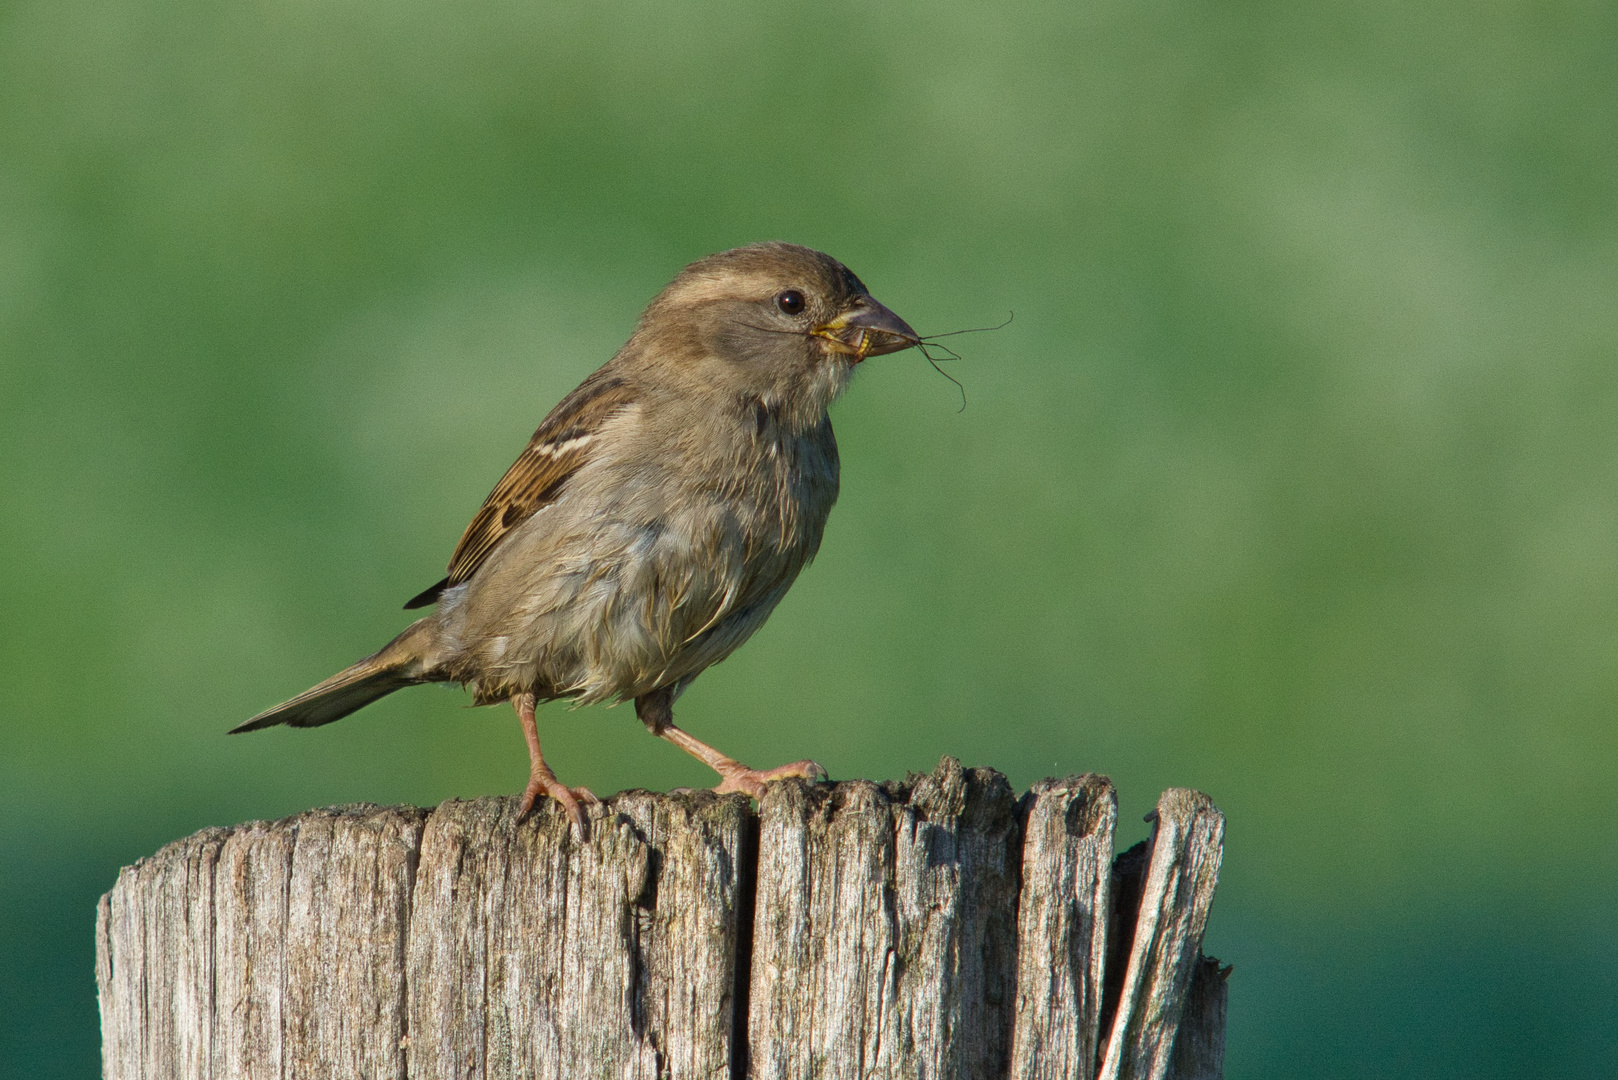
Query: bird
(655, 519)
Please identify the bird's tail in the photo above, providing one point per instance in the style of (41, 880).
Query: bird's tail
(401, 662)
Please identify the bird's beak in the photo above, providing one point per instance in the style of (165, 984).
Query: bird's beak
(866, 328)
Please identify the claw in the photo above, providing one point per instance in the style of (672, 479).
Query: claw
(566, 797)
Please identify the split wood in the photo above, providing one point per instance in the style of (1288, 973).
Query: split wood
(937, 927)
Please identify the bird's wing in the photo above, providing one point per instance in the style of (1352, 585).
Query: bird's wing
(563, 443)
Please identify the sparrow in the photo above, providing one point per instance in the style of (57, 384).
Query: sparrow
(656, 518)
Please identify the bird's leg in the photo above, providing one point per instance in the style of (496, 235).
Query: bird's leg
(738, 777)
(656, 711)
(541, 781)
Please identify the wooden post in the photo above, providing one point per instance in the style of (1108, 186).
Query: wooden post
(936, 927)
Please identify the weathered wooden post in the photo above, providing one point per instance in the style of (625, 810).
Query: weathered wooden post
(938, 927)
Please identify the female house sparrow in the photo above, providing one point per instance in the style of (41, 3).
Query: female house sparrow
(657, 516)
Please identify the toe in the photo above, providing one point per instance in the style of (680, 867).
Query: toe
(803, 770)
(564, 798)
(747, 782)
(581, 824)
(567, 798)
(752, 781)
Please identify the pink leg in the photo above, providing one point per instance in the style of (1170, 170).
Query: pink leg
(656, 712)
(541, 781)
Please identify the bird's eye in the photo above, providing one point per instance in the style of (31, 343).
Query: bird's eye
(790, 302)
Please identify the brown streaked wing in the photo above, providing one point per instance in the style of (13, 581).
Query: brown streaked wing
(562, 444)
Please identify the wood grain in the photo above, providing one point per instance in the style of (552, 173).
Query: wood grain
(1062, 927)
(1199, 1048)
(933, 927)
(1186, 847)
(885, 938)
(223, 954)
(534, 955)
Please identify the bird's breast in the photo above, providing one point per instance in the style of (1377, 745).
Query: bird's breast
(793, 480)
(645, 574)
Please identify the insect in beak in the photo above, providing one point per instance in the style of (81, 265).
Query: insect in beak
(865, 329)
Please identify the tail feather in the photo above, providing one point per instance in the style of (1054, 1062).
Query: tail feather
(398, 664)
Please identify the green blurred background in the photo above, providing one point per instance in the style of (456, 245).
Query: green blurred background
(1294, 480)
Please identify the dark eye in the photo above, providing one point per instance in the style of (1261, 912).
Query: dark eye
(790, 302)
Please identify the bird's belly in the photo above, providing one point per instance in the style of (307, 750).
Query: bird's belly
(610, 609)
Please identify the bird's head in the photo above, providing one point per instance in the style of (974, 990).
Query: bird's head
(774, 320)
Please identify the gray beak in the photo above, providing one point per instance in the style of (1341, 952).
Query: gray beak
(867, 329)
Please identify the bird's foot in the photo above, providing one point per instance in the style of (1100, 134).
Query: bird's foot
(653, 709)
(739, 777)
(568, 798)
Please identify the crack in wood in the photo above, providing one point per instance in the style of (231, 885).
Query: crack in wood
(934, 927)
